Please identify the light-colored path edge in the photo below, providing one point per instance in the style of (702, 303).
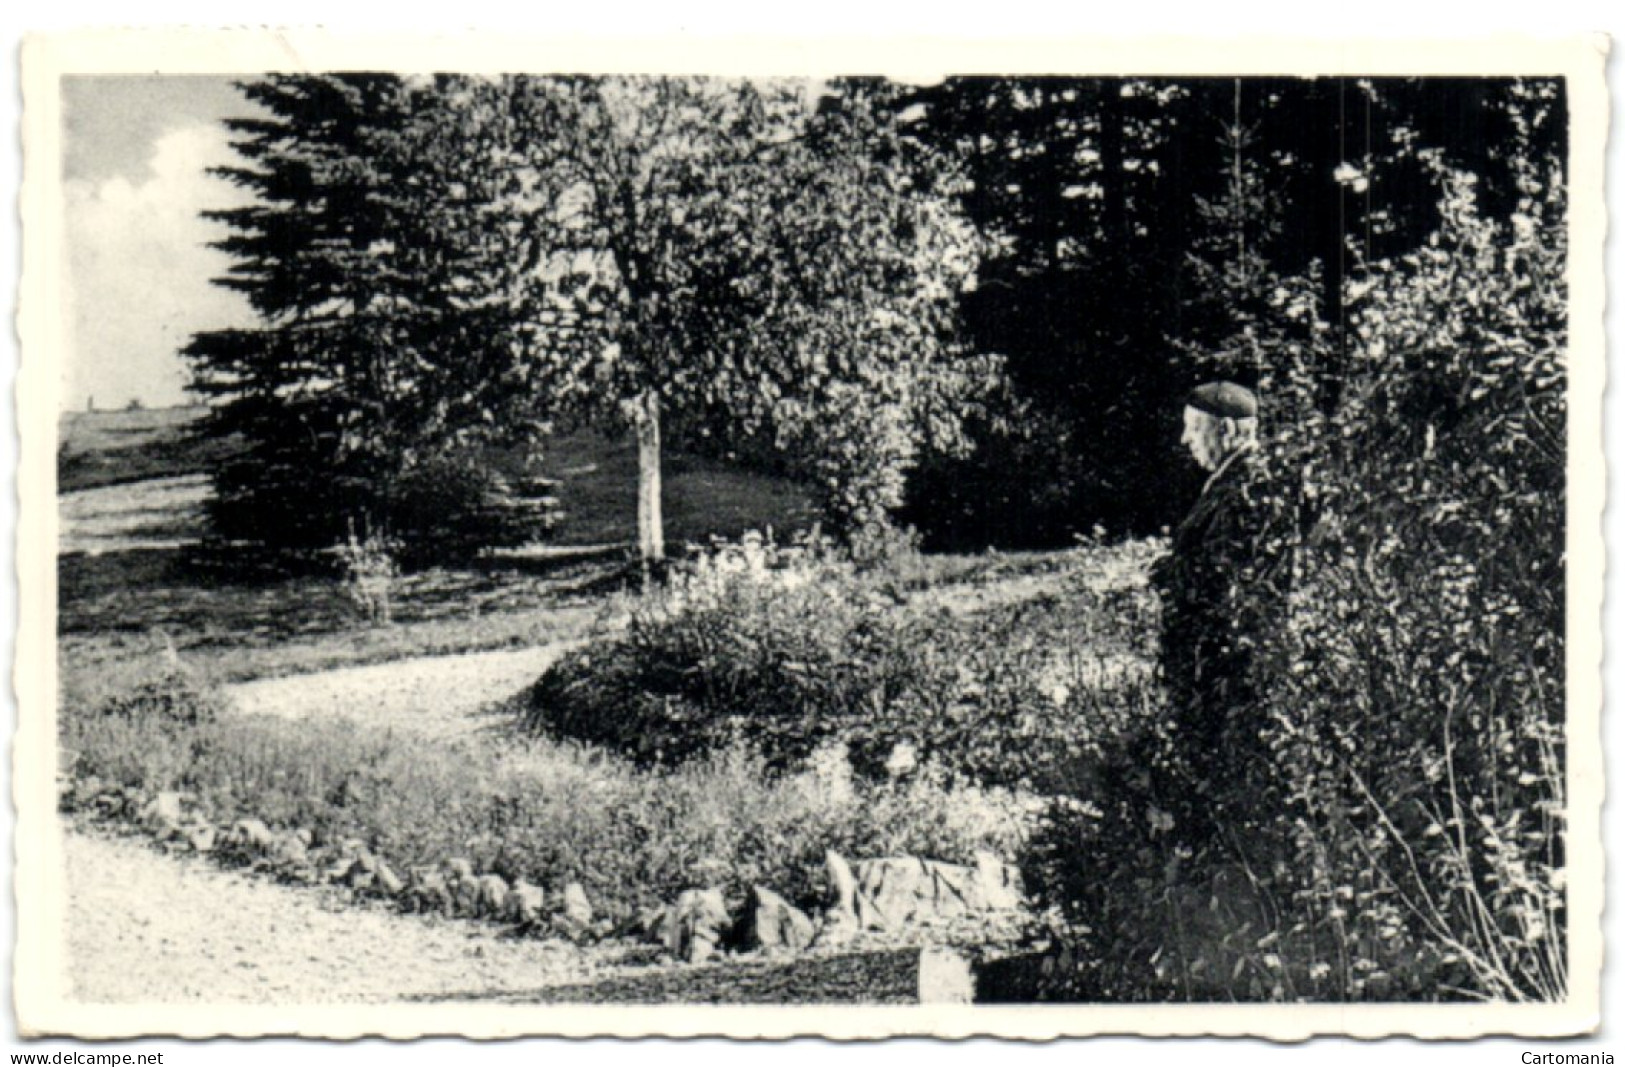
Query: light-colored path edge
(439, 696)
(143, 927)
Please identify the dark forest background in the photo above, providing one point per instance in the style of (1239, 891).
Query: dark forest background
(1140, 230)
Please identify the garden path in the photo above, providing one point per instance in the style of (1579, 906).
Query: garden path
(440, 696)
(148, 928)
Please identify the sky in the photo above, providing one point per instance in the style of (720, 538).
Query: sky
(135, 159)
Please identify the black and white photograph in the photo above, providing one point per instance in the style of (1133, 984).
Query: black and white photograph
(995, 545)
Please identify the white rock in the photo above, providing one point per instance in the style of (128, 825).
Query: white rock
(945, 978)
(577, 908)
(525, 902)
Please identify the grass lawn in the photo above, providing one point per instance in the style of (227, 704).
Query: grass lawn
(103, 448)
(702, 497)
(597, 474)
(237, 624)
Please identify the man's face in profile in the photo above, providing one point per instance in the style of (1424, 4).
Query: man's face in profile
(1200, 438)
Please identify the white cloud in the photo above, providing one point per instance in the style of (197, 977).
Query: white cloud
(139, 270)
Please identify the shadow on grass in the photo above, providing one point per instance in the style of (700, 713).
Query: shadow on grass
(180, 591)
(885, 976)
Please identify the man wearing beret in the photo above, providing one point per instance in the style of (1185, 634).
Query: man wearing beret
(1205, 639)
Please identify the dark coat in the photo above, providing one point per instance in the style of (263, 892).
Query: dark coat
(1205, 642)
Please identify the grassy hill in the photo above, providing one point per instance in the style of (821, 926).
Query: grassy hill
(101, 448)
(598, 476)
(129, 566)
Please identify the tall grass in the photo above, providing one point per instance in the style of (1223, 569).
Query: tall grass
(544, 810)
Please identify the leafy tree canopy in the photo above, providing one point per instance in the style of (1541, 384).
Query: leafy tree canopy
(446, 261)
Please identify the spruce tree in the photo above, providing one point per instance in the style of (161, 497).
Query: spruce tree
(363, 398)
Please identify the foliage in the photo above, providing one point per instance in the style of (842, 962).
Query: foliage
(549, 813)
(765, 267)
(443, 262)
(171, 696)
(144, 726)
(791, 650)
(1438, 554)
(1119, 234)
(1389, 823)
(1018, 488)
(1065, 176)
(727, 639)
(449, 507)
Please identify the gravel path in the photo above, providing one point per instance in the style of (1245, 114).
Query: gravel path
(440, 696)
(149, 928)
(146, 928)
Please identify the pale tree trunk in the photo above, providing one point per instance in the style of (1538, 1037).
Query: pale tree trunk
(646, 424)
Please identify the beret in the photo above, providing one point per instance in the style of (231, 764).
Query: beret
(1227, 400)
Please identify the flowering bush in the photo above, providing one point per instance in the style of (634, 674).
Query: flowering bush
(788, 650)
(368, 572)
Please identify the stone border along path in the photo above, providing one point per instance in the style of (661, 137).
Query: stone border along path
(149, 927)
(146, 927)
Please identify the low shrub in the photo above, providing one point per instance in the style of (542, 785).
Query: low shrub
(788, 652)
(724, 650)
(142, 729)
(173, 696)
(368, 572)
(450, 507)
